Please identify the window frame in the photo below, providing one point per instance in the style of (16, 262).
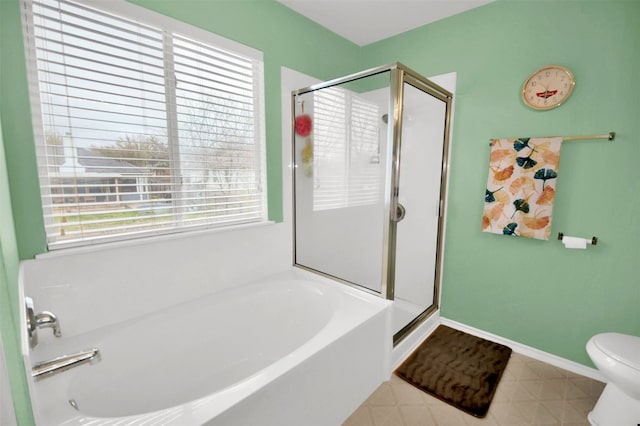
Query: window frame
(125, 10)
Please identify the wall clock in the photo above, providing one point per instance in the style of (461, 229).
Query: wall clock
(548, 87)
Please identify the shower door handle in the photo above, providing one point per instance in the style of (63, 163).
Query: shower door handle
(400, 212)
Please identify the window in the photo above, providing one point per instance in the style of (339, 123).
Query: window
(347, 170)
(143, 125)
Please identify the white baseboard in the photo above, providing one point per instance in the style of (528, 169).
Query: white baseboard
(525, 350)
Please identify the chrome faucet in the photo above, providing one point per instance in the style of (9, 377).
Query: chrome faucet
(65, 362)
(44, 319)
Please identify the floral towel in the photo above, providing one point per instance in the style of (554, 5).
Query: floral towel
(521, 186)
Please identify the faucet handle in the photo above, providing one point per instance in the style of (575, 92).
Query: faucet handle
(32, 325)
(43, 319)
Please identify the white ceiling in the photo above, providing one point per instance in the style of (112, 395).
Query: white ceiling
(367, 21)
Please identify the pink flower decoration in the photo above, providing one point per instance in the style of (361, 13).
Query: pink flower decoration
(303, 125)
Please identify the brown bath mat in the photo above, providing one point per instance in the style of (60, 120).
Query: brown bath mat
(458, 368)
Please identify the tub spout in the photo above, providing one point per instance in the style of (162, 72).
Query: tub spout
(65, 362)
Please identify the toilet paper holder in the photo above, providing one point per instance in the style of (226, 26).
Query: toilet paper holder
(594, 240)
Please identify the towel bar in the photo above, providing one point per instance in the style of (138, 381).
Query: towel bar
(609, 136)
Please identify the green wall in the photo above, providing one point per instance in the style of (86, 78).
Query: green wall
(18, 134)
(9, 257)
(536, 292)
(9, 264)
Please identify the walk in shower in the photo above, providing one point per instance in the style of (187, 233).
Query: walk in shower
(370, 162)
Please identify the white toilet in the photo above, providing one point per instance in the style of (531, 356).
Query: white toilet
(617, 356)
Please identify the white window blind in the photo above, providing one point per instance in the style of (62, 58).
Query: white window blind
(347, 168)
(140, 129)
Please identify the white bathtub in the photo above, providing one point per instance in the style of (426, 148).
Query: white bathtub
(291, 350)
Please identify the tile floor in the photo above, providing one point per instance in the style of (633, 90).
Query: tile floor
(530, 393)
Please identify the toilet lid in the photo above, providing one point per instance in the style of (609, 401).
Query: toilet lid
(621, 347)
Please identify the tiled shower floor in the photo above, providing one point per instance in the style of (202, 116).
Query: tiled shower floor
(530, 393)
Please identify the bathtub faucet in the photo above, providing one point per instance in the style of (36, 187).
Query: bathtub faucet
(44, 319)
(65, 362)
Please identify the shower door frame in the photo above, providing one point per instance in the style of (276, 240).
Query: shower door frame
(399, 74)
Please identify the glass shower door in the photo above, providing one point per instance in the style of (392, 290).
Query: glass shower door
(370, 155)
(419, 199)
(340, 138)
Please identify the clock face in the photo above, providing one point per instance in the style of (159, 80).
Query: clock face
(548, 87)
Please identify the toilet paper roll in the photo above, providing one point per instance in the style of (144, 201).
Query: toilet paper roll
(574, 242)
